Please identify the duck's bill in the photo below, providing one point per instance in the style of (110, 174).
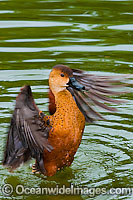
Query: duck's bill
(75, 84)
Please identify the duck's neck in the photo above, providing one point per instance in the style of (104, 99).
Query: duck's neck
(63, 99)
(67, 113)
(65, 102)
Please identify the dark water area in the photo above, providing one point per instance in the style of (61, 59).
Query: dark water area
(92, 35)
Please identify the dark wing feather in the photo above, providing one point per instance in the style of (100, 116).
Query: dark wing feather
(52, 105)
(98, 90)
(27, 136)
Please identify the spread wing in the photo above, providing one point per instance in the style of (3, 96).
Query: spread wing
(27, 136)
(98, 90)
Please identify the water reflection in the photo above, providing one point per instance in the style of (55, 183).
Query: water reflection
(127, 27)
(15, 24)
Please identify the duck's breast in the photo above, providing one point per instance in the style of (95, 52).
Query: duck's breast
(68, 121)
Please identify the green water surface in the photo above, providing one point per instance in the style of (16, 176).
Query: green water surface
(92, 35)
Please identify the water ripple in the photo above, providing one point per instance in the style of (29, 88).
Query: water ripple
(126, 27)
(74, 48)
(20, 24)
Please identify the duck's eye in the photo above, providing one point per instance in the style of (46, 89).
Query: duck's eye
(62, 75)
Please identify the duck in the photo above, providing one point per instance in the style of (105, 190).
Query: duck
(53, 140)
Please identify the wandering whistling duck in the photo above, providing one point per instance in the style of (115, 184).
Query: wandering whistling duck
(53, 140)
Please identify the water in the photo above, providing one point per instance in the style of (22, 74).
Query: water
(95, 36)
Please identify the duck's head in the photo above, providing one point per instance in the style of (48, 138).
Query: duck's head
(61, 77)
